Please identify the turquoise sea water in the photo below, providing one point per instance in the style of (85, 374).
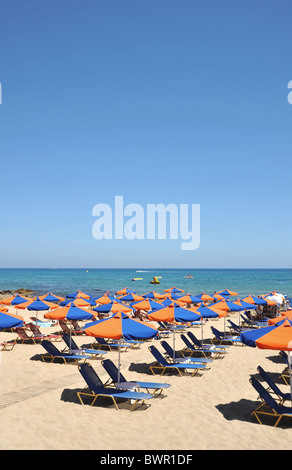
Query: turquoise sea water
(96, 281)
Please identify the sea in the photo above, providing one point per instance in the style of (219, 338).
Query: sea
(96, 282)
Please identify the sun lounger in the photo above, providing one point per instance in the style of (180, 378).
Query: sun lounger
(237, 329)
(223, 339)
(112, 370)
(269, 406)
(285, 374)
(177, 356)
(199, 344)
(7, 345)
(23, 337)
(162, 365)
(73, 348)
(37, 333)
(195, 350)
(96, 389)
(53, 353)
(111, 346)
(43, 323)
(130, 343)
(66, 329)
(273, 387)
(252, 323)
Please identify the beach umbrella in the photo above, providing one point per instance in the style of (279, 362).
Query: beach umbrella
(251, 299)
(227, 292)
(173, 290)
(15, 300)
(147, 304)
(70, 312)
(205, 297)
(176, 303)
(78, 295)
(227, 306)
(8, 320)
(131, 297)
(269, 301)
(274, 321)
(124, 291)
(219, 296)
(207, 312)
(49, 297)
(104, 299)
(245, 305)
(80, 302)
(190, 299)
(37, 306)
(173, 314)
(119, 327)
(153, 295)
(113, 307)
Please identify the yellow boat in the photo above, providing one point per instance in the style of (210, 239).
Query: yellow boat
(155, 280)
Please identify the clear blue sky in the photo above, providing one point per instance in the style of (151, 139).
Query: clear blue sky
(161, 101)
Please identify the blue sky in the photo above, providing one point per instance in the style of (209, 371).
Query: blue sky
(160, 101)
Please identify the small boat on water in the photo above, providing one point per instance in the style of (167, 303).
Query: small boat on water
(189, 277)
(155, 280)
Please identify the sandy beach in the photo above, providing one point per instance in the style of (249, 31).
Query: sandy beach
(39, 408)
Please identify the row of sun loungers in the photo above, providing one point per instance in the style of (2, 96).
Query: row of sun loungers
(271, 396)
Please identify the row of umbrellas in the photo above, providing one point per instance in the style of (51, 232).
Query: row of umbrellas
(120, 325)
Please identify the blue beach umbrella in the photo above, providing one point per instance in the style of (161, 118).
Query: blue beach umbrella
(70, 312)
(231, 305)
(245, 305)
(120, 326)
(255, 300)
(174, 314)
(18, 300)
(51, 298)
(208, 313)
(249, 337)
(10, 321)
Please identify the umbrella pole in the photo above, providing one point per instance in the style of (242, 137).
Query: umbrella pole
(173, 348)
(202, 330)
(289, 361)
(119, 365)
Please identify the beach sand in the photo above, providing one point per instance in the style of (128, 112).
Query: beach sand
(39, 408)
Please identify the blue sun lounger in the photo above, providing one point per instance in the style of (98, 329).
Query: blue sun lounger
(237, 329)
(74, 349)
(110, 345)
(199, 344)
(54, 353)
(273, 387)
(163, 365)
(96, 389)
(112, 371)
(269, 406)
(191, 349)
(177, 356)
(221, 338)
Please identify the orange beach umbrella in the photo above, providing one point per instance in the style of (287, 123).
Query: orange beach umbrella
(120, 326)
(279, 339)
